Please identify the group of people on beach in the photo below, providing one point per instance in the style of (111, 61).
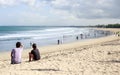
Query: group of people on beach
(17, 52)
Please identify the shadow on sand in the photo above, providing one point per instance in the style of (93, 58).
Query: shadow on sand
(45, 69)
(111, 61)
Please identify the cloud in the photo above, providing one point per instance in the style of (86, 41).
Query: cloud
(89, 9)
(28, 2)
(7, 2)
(81, 9)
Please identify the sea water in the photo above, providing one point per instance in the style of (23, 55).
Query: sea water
(44, 35)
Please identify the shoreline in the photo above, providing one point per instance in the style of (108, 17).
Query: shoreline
(75, 44)
(98, 56)
(75, 34)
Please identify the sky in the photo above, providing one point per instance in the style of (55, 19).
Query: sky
(59, 12)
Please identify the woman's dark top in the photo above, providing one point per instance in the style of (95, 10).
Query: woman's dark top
(36, 54)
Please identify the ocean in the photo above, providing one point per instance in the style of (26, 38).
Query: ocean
(44, 35)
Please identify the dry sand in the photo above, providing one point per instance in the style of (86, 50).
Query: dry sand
(99, 56)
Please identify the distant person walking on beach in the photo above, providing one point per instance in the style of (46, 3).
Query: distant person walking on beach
(76, 37)
(81, 36)
(16, 53)
(30, 44)
(34, 54)
(58, 42)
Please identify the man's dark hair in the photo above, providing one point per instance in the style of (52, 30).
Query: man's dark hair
(18, 44)
(34, 46)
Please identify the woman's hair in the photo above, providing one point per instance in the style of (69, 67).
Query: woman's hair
(18, 44)
(34, 46)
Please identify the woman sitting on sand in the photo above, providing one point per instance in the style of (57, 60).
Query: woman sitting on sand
(16, 53)
(34, 54)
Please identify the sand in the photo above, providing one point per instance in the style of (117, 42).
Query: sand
(99, 56)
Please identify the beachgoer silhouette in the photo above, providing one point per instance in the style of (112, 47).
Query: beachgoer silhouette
(34, 54)
(30, 44)
(81, 35)
(16, 53)
(77, 38)
(58, 42)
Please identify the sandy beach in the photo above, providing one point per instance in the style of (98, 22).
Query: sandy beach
(99, 56)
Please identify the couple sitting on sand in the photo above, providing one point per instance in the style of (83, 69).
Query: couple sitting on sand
(16, 53)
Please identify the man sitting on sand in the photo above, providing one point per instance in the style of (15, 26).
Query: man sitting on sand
(16, 53)
(34, 54)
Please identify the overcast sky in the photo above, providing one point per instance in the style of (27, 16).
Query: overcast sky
(59, 12)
